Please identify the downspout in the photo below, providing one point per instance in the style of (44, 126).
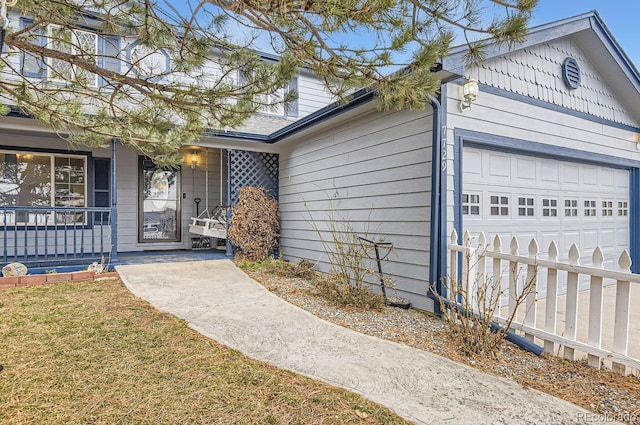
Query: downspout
(436, 273)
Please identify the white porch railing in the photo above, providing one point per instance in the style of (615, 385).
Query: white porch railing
(471, 264)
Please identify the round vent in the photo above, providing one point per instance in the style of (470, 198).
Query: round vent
(571, 73)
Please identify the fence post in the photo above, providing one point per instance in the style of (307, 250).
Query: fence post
(571, 322)
(531, 286)
(551, 313)
(621, 323)
(595, 309)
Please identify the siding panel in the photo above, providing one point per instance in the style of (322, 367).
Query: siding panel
(375, 169)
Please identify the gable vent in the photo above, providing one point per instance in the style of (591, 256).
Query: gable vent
(571, 73)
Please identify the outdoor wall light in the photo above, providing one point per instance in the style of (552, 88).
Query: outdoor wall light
(469, 94)
(194, 159)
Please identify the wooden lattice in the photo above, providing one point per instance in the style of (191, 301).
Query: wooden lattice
(252, 169)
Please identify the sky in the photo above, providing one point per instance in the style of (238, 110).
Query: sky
(620, 17)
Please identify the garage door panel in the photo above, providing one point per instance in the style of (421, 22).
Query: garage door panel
(606, 178)
(499, 166)
(550, 200)
(526, 169)
(607, 238)
(590, 176)
(571, 174)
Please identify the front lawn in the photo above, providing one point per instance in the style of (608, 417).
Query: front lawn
(93, 353)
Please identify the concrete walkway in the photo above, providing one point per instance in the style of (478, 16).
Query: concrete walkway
(220, 301)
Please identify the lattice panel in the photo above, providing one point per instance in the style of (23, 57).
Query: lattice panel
(252, 169)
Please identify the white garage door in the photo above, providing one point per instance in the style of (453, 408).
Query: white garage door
(525, 196)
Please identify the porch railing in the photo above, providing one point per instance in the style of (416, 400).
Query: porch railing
(471, 266)
(42, 236)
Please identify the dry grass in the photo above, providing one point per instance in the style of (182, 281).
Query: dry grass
(605, 393)
(93, 353)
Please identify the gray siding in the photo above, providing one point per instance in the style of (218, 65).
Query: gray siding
(375, 168)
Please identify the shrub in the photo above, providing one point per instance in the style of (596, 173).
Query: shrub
(255, 224)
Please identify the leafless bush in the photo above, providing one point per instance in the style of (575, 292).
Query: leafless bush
(255, 223)
(470, 313)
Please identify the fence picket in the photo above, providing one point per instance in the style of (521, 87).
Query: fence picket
(595, 308)
(531, 285)
(571, 320)
(513, 278)
(618, 355)
(480, 290)
(497, 269)
(621, 323)
(467, 273)
(551, 314)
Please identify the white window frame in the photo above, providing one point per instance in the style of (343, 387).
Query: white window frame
(51, 75)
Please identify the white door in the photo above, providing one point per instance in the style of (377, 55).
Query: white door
(551, 200)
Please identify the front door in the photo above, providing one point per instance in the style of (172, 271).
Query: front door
(159, 211)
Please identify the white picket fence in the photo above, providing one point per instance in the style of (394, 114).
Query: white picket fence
(472, 262)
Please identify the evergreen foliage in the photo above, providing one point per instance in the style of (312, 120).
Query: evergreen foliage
(155, 110)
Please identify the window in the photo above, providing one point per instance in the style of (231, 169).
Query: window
(32, 65)
(570, 207)
(499, 205)
(607, 208)
(101, 188)
(623, 209)
(525, 207)
(589, 208)
(75, 42)
(549, 207)
(291, 108)
(470, 204)
(274, 99)
(42, 180)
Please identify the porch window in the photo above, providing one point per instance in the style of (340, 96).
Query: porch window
(30, 179)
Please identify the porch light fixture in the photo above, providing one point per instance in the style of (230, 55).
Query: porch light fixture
(469, 94)
(194, 160)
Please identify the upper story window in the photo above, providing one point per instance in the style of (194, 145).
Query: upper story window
(289, 109)
(73, 42)
(104, 49)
